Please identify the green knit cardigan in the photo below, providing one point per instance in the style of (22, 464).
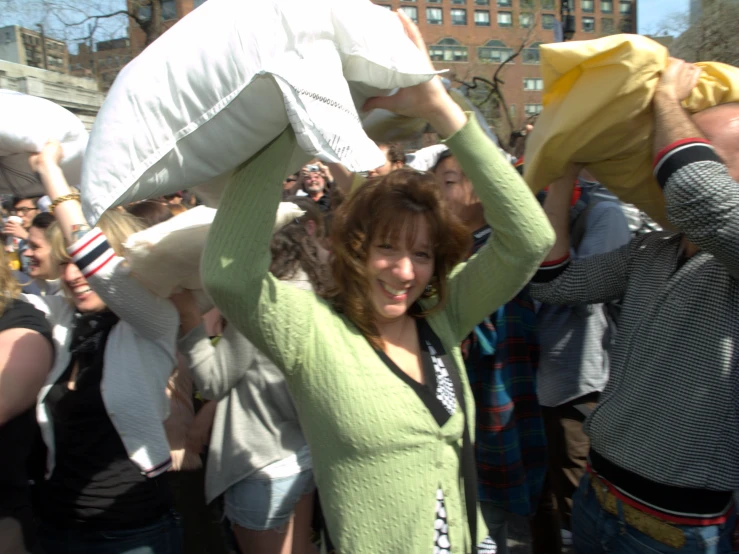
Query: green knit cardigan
(378, 454)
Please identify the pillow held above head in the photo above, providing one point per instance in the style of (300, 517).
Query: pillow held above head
(228, 78)
(598, 112)
(27, 123)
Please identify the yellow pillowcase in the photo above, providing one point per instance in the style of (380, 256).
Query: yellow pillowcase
(598, 112)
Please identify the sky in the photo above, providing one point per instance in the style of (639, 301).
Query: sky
(652, 13)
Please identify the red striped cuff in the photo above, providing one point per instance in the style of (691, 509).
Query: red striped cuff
(91, 253)
(549, 271)
(681, 153)
(554, 263)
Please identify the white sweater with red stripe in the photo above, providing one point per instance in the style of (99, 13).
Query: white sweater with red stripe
(140, 354)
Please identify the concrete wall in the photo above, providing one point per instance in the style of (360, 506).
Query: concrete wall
(80, 96)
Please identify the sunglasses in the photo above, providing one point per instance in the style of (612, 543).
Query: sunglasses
(23, 211)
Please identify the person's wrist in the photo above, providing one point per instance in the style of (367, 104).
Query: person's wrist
(446, 117)
(666, 94)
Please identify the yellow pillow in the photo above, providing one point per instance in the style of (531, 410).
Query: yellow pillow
(597, 112)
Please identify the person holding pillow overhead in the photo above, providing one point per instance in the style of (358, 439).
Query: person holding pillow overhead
(374, 367)
(102, 408)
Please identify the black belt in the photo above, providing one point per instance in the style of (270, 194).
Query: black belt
(667, 498)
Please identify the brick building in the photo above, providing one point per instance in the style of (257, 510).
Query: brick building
(32, 48)
(103, 63)
(172, 10)
(472, 38)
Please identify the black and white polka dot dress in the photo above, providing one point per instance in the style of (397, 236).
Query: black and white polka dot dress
(445, 395)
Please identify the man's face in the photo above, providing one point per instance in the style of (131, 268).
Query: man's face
(288, 185)
(26, 210)
(313, 182)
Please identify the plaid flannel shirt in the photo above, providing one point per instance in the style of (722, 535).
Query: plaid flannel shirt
(501, 356)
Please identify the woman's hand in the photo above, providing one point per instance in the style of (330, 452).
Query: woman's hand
(428, 100)
(46, 164)
(50, 155)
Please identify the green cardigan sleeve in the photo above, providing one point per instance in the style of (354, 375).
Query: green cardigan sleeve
(278, 319)
(521, 238)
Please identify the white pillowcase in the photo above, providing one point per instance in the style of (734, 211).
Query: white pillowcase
(26, 124)
(228, 78)
(165, 258)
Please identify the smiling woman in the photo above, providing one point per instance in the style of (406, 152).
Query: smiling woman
(374, 366)
(102, 406)
(393, 239)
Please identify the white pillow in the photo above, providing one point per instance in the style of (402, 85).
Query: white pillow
(228, 78)
(26, 124)
(165, 258)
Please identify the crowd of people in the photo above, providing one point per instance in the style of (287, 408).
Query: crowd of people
(415, 358)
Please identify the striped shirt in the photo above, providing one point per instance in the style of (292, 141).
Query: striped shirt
(669, 412)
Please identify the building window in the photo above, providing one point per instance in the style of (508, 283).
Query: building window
(448, 50)
(625, 26)
(505, 19)
(482, 18)
(494, 51)
(526, 20)
(411, 12)
(548, 20)
(547, 4)
(588, 6)
(533, 109)
(482, 2)
(459, 17)
(459, 1)
(588, 24)
(512, 111)
(624, 7)
(434, 1)
(606, 6)
(530, 55)
(169, 10)
(434, 16)
(527, 4)
(606, 25)
(533, 84)
(504, 3)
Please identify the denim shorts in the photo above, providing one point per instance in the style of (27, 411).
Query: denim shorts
(260, 503)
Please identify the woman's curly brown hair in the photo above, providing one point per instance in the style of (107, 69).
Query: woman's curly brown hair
(384, 207)
(294, 249)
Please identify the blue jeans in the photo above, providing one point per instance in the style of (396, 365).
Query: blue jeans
(596, 531)
(161, 537)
